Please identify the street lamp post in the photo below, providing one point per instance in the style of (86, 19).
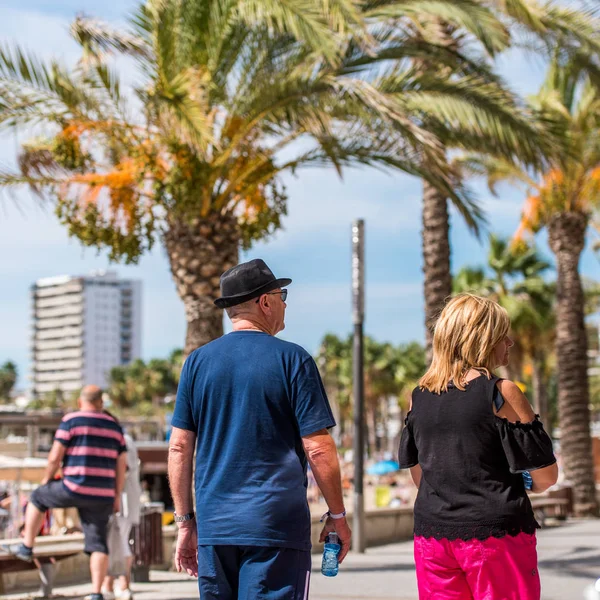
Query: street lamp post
(358, 317)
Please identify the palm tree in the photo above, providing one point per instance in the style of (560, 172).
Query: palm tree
(145, 385)
(518, 285)
(8, 379)
(127, 385)
(232, 95)
(390, 374)
(552, 26)
(380, 385)
(411, 363)
(199, 157)
(54, 400)
(563, 202)
(334, 360)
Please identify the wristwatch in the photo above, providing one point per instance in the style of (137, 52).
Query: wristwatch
(182, 518)
(335, 517)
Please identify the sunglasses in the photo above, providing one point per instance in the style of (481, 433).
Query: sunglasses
(283, 293)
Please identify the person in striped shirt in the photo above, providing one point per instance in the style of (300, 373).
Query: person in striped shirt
(90, 447)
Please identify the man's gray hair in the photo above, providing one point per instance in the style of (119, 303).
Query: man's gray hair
(244, 307)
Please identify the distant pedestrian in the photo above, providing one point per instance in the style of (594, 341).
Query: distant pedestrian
(254, 408)
(90, 447)
(127, 518)
(469, 436)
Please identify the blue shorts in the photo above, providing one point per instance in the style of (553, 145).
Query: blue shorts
(253, 573)
(93, 513)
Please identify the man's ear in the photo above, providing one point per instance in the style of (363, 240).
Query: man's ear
(264, 302)
(269, 301)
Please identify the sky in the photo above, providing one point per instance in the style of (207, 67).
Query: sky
(313, 248)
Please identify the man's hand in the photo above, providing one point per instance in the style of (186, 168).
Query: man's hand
(117, 504)
(340, 526)
(186, 551)
(55, 458)
(181, 459)
(323, 459)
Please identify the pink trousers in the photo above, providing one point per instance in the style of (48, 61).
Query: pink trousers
(493, 569)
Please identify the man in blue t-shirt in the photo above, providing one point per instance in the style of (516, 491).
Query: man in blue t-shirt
(255, 409)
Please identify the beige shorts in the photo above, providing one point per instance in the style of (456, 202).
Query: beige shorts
(125, 526)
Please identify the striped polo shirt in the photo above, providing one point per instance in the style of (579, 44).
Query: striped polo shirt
(93, 441)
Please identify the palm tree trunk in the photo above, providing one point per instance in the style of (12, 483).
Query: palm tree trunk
(335, 409)
(385, 421)
(540, 390)
(436, 258)
(514, 369)
(566, 234)
(370, 431)
(199, 252)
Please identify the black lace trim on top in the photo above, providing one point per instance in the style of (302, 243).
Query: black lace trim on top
(474, 531)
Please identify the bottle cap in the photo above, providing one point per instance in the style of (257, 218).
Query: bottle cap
(332, 538)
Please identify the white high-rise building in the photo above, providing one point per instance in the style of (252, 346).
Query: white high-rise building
(82, 328)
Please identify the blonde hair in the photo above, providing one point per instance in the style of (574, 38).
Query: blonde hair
(465, 336)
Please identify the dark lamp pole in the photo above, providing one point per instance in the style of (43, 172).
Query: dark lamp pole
(358, 317)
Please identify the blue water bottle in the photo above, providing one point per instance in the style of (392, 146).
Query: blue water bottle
(329, 566)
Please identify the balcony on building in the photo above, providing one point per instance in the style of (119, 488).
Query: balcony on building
(55, 323)
(47, 377)
(65, 386)
(71, 287)
(58, 333)
(51, 312)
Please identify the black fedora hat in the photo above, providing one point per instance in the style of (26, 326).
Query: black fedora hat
(246, 281)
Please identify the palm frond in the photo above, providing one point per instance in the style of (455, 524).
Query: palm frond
(9, 179)
(495, 169)
(18, 108)
(484, 112)
(302, 19)
(183, 103)
(97, 39)
(553, 28)
(527, 13)
(573, 23)
(25, 76)
(227, 42)
(110, 82)
(467, 15)
(407, 50)
(21, 67)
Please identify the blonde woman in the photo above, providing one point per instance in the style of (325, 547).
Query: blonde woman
(468, 438)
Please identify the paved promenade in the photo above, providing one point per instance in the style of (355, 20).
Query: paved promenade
(569, 562)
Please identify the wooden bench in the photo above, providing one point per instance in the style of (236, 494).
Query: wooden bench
(550, 508)
(47, 551)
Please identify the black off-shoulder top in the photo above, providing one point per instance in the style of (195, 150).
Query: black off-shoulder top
(472, 460)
